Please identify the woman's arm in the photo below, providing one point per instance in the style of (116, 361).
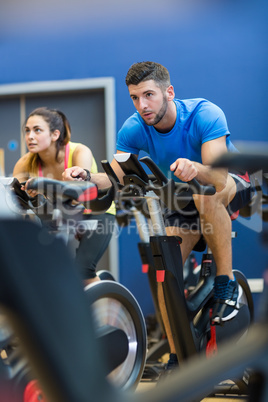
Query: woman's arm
(20, 170)
(100, 179)
(83, 157)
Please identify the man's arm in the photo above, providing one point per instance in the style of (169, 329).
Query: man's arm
(210, 151)
(100, 179)
(186, 170)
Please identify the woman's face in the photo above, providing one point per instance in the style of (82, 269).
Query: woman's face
(37, 134)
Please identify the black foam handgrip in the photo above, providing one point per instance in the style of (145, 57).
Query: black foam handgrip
(198, 188)
(159, 175)
(109, 171)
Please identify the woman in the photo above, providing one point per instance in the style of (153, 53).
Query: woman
(47, 135)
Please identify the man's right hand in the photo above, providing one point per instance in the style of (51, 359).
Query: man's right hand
(184, 169)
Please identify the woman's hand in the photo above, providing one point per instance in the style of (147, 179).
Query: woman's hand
(74, 173)
(30, 193)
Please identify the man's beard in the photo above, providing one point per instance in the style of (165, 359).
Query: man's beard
(160, 114)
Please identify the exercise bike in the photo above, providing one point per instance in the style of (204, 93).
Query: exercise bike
(189, 313)
(157, 341)
(117, 316)
(61, 377)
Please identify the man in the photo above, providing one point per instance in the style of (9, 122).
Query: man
(183, 137)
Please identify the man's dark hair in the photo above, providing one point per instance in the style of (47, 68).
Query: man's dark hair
(148, 70)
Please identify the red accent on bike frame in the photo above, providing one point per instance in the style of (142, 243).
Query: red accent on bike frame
(87, 211)
(207, 261)
(212, 348)
(89, 194)
(194, 262)
(160, 275)
(145, 268)
(33, 392)
(234, 216)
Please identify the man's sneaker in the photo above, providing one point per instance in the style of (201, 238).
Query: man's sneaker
(170, 366)
(226, 297)
(172, 362)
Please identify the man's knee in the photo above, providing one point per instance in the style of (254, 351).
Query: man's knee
(209, 204)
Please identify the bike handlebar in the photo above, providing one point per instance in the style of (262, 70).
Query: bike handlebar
(159, 175)
(201, 189)
(161, 179)
(83, 192)
(252, 161)
(249, 161)
(138, 182)
(79, 191)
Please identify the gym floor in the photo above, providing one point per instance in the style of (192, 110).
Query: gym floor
(145, 386)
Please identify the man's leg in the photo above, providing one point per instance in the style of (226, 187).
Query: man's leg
(216, 228)
(216, 225)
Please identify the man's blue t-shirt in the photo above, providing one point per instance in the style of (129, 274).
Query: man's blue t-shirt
(197, 122)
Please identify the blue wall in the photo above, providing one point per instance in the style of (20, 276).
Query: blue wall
(213, 49)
